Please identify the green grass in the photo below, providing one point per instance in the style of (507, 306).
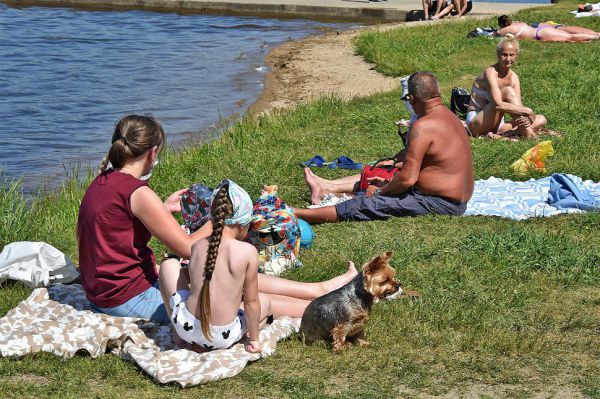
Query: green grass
(507, 308)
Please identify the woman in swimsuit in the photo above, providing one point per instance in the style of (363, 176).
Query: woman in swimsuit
(497, 91)
(544, 33)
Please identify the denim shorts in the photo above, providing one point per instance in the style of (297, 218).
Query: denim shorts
(147, 305)
(409, 203)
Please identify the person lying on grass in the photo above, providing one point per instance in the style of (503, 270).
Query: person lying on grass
(497, 91)
(436, 173)
(118, 215)
(544, 32)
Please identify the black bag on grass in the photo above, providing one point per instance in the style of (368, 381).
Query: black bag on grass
(459, 100)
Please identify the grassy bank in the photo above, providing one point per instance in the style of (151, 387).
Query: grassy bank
(508, 309)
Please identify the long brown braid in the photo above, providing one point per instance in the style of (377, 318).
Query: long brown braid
(133, 136)
(221, 208)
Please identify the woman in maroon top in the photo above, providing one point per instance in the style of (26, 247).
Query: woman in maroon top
(119, 213)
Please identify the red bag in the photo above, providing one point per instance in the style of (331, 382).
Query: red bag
(369, 171)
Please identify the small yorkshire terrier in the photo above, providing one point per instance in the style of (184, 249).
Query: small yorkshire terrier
(340, 316)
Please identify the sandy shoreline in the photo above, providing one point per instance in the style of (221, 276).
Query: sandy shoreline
(305, 69)
(302, 70)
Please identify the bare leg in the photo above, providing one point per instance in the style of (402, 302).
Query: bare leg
(426, 4)
(319, 186)
(266, 308)
(171, 279)
(446, 11)
(296, 289)
(438, 9)
(287, 306)
(509, 95)
(577, 29)
(486, 121)
(326, 214)
(555, 35)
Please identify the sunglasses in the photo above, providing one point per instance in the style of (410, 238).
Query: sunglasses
(407, 95)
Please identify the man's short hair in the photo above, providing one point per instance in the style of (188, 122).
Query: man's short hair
(423, 86)
(504, 21)
(508, 41)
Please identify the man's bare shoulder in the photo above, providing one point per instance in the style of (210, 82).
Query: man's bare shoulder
(422, 128)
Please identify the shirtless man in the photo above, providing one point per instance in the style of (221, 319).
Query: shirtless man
(544, 32)
(497, 91)
(437, 167)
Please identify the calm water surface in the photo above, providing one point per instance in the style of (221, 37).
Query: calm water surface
(66, 77)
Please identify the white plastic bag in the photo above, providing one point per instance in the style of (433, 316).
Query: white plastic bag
(36, 264)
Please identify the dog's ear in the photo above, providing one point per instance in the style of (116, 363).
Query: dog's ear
(376, 263)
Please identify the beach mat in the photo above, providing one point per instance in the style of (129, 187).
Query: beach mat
(521, 200)
(59, 320)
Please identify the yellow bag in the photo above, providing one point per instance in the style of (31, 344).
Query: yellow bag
(534, 158)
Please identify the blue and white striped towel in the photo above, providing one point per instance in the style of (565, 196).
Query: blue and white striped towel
(520, 200)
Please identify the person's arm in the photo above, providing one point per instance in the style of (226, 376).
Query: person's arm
(148, 207)
(251, 303)
(399, 158)
(408, 176)
(496, 96)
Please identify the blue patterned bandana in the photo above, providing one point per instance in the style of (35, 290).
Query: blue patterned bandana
(241, 201)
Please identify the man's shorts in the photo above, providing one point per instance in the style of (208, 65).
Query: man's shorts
(410, 203)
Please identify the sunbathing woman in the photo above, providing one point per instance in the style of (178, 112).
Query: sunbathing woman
(118, 215)
(544, 33)
(497, 91)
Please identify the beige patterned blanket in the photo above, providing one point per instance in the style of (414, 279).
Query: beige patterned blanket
(58, 320)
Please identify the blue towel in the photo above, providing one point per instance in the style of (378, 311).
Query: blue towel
(564, 193)
(522, 199)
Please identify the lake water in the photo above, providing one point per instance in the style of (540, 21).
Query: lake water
(66, 77)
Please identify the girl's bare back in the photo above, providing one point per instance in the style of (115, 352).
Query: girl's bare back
(226, 286)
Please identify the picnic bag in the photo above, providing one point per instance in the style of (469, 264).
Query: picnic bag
(369, 171)
(275, 232)
(459, 100)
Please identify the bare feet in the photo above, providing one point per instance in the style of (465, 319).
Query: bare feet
(313, 185)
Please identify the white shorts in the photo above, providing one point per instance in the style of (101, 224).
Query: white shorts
(188, 326)
(471, 115)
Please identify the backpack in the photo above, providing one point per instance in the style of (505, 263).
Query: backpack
(488, 32)
(459, 100)
(275, 232)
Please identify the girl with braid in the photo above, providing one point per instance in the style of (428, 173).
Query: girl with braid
(222, 269)
(118, 215)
